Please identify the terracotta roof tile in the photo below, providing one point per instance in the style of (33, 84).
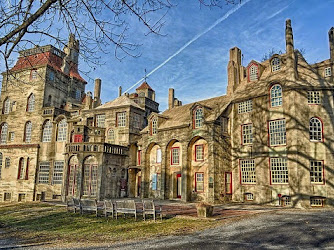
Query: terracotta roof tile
(144, 85)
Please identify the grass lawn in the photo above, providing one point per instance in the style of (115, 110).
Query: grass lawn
(42, 222)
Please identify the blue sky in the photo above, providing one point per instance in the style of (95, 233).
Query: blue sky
(199, 71)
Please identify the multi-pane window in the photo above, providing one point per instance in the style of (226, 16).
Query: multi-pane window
(286, 200)
(121, 119)
(253, 72)
(100, 121)
(62, 130)
(328, 71)
(245, 107)
(154, 126)
(27, 132)
(175, 152)
(279, 170)
(58, 169)
(198, 118)
(313, 97)
(11, 136)
(47, 131)
(315, 129)
(275, 64)
(199, 182)
(3, 133)
(6, 106)
(7, 162)
(90, 180)
(72, 180)
(199, 152)
(31, 103)
(247, 133)
(158, 160)
(276, 95)
(316, 172)
(249, 196)
(111, 136)
(316, 202)
(247, 168)
(34, 74)
(277, 132)
(43, 173)
(21, 172)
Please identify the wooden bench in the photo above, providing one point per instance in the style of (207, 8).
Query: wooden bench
(73, 204)
(88, 206)
(149, 208)
(126, 207)
(108, 208)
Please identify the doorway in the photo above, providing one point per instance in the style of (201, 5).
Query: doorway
(178, 185)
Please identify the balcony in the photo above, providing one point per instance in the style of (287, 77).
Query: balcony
(53, 111)
(97, 147)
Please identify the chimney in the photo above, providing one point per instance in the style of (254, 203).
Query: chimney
(331, 44)
(290, 62)
(119, 91)
(97, 93)
(234, 70)
(89, 100)
(170, 98)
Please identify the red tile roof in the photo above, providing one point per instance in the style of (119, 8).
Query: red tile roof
(144, 85)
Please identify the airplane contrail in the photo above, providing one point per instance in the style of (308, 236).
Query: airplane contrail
(230, 12)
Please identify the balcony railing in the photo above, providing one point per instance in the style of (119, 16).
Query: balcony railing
(53, 111)
(96, 147)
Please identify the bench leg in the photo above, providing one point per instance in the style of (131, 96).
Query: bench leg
(144, 216)
(135, 216)
(154, 215)
(116, 215)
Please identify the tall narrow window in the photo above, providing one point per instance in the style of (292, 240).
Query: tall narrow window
(175, 156)
(34, 74)
(199, 153)
(247, 134)
(62, 130)
(6, 106)
(58, 172)
(27, 169)
(3, 133)
(316, 172)
(100, 121)
(279, 170)
(138, 157)
(111, 136)
(276, 95)
(154, 126)
(21, 172)
(253, 72)
(7, 162)
(247, 168)
(328, 71)
(90, 180)
(315, 129)
(198, 118)
(158, 160)
(0, 164)
(27, 132)
(199, 182)
(43, 173)
(228, 182)
(47, 131)
(275, 64)
(72, 180)
(121, 119)
(31, 103)
(277, 132)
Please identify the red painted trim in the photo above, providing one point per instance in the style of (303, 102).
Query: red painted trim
(196, 182)
(228, 173)
(27, 169)
(20, 168)
(196, 146)
(178, 176)
(270, 172)
(138, 157)
(246, 184)
(286, 136)
(323, 173)
(171, 156)
(258, 71)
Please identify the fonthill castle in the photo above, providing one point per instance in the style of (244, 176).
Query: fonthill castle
(269, 140)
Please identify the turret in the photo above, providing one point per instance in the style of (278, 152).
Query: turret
(234, 70)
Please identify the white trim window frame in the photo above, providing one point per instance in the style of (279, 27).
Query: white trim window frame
(58, 169)
(31, 103)
(247, 134)
(253, 72)
(328, 72)
(276, 96)
(277, 132)
(27, 132)
(154, 126)
(198, 117)
(245, 106)
(4, 133)
(175, 152)
(43, 172)
(313, 97)
(315, 130)
(248, 174)
(275, 64)
(316, 172)
(100, 120)
(47, 131)
(121, 119)
(62, 130)
(279, 171)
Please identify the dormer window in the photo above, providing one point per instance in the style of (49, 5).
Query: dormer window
(198, 117)
(154, 126)
(275, 64)
(253, 72)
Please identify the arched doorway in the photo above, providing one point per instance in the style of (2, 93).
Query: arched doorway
(73, 167)
(89, 178)
(173, 170)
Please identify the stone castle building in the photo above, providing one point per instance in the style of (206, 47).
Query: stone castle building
(269, 140)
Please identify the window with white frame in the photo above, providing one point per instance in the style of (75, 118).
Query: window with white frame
(253, 72)
(245, 107)
(27, 132)
(175, 152)
(317, 202)
(154, 126)
(158, 160)
(315, 129)
(47, 131)
(31, 103)
(275, 64)
(279, 170)
(43, 172)
(3, 134)
(111, 136)
(6, 106)
(121, 119)
(34, 74)
(277, 132)
(276, 95)
(198, 118)
(100, 120)
(21, 172)
(247, 167)
(247, 134)
(199, 152)
(90, 180)
(249, 196)
(62, 130)
(316, 172)
(199, 182)
(7, 162)
(328, 71)
(313, 97)
(286, 200)
(58, 169)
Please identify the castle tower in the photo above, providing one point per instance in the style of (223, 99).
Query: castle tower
(234, 70)
(72, 55)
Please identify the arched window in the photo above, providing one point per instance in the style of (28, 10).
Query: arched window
(27, 132)
(21, 172)
(6, 106)
(3, 133)
(111, 136)
(315, 129)
(276, 95)
(27, 169)
(198, 118)
(47, 131)
(154, 126)
(62, 130)
(31, 103)
(275, 64)
(253, 72)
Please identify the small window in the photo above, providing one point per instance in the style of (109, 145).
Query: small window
(279, 170)
(277, 132)
(199, 153)
(198, 118)
(34, 74)
(7, 197)
(121, 119)
(328, 71)
(317, 201)
(253, 72)
(7, 162)
(275, 64)
(21, 198)
(58, 172)
(27, 132)
(100, 121)
(31, 103)
(6, 106)
(47, 131)
(11, 136)
(3, 133)
(43, 173)
(316, 172)
(286, 200)
(247, 134)
(154, 126)
(175, 155)
(276, 95)
(315, 129)
(158, 160)
(51, 76)
(249, 197)
(199, 182)
(247, 168)
(245, 107)
(313, 97)
(62, 130)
